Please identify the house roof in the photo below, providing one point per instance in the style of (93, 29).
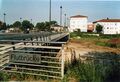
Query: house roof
(78, 16)
(108, 20)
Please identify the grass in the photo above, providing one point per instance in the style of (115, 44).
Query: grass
(94, 71)
(83, 72)
(101, 40)
(86, 35)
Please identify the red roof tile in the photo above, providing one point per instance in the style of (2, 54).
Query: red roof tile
(108, 20)
(78, 16)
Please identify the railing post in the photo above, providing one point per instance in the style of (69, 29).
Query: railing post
(24, 42)
(37, 40)
(13, 46)
(32, 40)
(69, 36)
(62, 62)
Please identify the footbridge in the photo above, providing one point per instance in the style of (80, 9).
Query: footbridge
(40, 54)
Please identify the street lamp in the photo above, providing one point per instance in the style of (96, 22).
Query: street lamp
(50, 13)
(31, 20)
(60, 15)
(65, 20)
(4, 17)
(20, 19)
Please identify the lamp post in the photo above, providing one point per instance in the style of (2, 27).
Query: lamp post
(31, 20)
(20, 22)
(4, 17)
(65, 20)
(20, 19)
(60, 15)
(50, 13)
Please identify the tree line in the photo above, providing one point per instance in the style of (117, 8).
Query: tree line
(26, 25)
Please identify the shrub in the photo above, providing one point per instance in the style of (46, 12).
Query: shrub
(3, 76)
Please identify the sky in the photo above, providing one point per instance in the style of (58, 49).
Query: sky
(38, 10)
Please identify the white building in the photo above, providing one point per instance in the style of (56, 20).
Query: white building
(110, 26)
(78, 22)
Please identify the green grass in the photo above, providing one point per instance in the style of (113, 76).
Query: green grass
(101, 40)
(85, 35)
(94, 71)
(84, 72)
(101, 43)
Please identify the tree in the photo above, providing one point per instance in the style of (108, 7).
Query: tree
(99, 28)
(17, 24)
(32, 26)
(3, 26)
(48, 24)
(53, 23)
(26, 25)
(45, 25)
(1, 23)
(40, 26)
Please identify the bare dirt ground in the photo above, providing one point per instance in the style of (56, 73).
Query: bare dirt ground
(84, 47)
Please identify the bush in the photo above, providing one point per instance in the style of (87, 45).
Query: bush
(104, 67)
(3, 76)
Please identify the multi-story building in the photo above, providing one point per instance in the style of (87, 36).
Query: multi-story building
(110, 26)
(78, 22)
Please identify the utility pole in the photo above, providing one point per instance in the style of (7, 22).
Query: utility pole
(50, 13)
(20, 22)
(4, 17)
(60, 15)
(65, 20)
(31, 21)
(20, 19)
(4, 24)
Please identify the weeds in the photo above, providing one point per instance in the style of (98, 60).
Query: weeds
(104, 68)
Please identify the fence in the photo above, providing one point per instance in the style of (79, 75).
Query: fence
(39, 55)
(41, 60)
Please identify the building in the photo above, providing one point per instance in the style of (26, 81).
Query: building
(78, 22)
(110, 26)
(57, 28)
(90, 27)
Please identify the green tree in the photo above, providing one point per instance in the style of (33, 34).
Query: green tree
(53, 23)
(99, 28)
(1, 23)
(40, 26)
(17, 24)
(48, 24)
(26, 25)
(32, 26)
(11, 25)
(3, 26)
(45, 25)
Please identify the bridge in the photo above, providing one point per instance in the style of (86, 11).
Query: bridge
(39, 54)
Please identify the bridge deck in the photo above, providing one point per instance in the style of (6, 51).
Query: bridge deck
(42, 45)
